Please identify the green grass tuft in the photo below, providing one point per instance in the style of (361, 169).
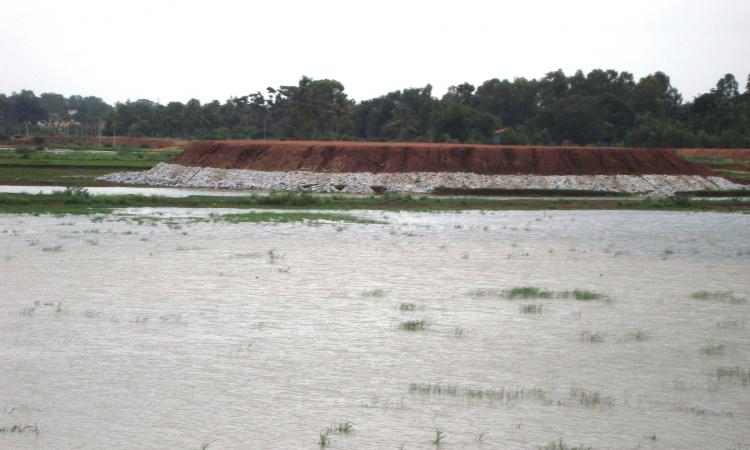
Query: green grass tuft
(528, 292)
(718, 296)
(714, 349)
(413, 325)
(591, 336)
(531, 309)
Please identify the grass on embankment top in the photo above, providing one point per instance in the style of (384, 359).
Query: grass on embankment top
(77, 200)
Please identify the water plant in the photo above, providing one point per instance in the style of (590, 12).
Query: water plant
(458, 332)
(561, 445)
(439, 436)
(714, 349)
(407, 307)
(586, 295)
(590, 399)
(345, 428)
(719, 296)
(528, 292)
(638, 336)
(413, 325)
(591, 336)
(531, 309)
(374, 293)
(324, 439)
(733, 373)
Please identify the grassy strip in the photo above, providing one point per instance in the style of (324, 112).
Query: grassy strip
(77, 201)
(116, 164)
(53, 176)
(442, 190)
(715, 161)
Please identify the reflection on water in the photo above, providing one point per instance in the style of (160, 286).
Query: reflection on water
(156, 330)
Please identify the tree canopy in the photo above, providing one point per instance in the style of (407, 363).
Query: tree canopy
(603, 107)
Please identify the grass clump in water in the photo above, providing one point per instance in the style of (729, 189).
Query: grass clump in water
(344, 428)
(638, 336)
(324, 440)
(592, 336)
(531, 309)
(528, 292)
(586, 295)
(561, 445)
(714, 349)
(590, 399)
(285, 217)
(407, 307)
(719, 296)
(413, 325)
(439, 436)
(734, 373)
(374, 293)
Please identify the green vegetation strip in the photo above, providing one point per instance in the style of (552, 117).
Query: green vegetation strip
(530, 292)
(79, 201)
(283, 217)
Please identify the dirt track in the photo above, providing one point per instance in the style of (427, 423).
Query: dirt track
(377, 157)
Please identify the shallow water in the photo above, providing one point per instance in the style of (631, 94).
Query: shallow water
(125, 190)
(168, 332)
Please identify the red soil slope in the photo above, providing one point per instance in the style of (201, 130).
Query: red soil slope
(324, 156)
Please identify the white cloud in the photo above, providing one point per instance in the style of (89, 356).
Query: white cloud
(176, 50)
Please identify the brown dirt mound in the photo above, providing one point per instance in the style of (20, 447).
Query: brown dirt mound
(321, 156)
(724, 153)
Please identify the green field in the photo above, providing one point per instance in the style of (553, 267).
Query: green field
(27, 166)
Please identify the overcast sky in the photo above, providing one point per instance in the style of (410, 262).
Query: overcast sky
(170, 50)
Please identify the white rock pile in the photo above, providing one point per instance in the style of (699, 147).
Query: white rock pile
(410, 182)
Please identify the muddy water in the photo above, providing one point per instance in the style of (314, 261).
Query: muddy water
(173, 333)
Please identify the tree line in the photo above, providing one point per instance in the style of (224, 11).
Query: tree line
(603, 107)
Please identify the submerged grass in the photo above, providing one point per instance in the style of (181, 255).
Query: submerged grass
(532, 292)
(413, 325)
(591, 336)
(561, 445)
(714, 349)
(528, 292)
(735, 373)
(59, 203)
(531, 309)
(284, 217)
(590, 399)
(638, 336)
(718, 296)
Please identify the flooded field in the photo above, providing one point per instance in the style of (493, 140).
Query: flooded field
(166, 328)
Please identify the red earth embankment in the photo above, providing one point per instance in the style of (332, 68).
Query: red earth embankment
(378, 157)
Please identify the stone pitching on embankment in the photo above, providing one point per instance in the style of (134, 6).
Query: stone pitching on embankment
(366, 168)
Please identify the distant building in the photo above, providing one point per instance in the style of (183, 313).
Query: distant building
(497, 136)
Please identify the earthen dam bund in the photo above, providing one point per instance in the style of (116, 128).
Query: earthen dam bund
(367, 167)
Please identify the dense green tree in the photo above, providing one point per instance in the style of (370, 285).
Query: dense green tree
(598, 107)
